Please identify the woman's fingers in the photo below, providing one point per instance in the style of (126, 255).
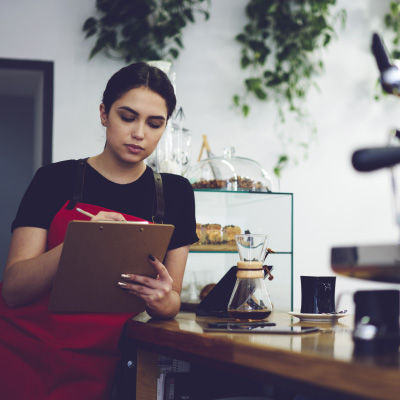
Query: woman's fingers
(151, 290)
(150, 295)
(153, 283)
(108, 216)
(144, 291)
(159, 267)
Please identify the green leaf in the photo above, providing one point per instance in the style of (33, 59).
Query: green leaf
(99, 46)
(396, 54)
(174, 52)
(89, 24)
(241, 38)
(268, 74)
(249, 29)
(236, 100)
(388, 20)
(257, 45)
(281, 164)
(274, 81)
(327, 39)
(253, 84)
(245, 61)
(189, 14)
(245, 110)
(283, 159)
(178, 41)
(394, 7)
(206, 14)
(91, 32)
(260, 94)
(274, 7)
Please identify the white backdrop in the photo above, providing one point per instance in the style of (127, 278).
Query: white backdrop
(333, 204)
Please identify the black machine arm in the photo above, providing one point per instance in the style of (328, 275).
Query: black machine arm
(380, 53)
(371, 159)
(390, 74)
(366, 160)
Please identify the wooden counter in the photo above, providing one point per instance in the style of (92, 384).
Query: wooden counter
(321, 361)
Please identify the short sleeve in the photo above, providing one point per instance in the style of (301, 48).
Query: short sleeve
(180, 211)
(44, 196)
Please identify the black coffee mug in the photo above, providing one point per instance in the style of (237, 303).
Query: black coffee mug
(317, 294)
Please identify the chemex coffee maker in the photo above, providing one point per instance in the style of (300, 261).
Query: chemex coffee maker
(242, 293)
(250, 299)
(376, 328)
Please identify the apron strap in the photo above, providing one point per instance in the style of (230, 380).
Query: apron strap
(159, 214)
(78, 189)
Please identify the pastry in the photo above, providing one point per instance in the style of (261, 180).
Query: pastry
(234, 183)
(211, 184)
(211, 234)
(229, 232)
(198, 233)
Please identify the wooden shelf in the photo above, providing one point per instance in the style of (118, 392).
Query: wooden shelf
(224, 247)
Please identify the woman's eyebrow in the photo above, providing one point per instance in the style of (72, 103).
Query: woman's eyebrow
(131, 110)
(128, 109)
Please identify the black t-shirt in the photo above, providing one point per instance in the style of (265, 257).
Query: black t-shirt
(54, 184)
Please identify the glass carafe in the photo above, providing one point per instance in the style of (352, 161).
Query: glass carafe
(250, 299)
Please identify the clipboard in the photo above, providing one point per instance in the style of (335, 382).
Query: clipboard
(94, 256)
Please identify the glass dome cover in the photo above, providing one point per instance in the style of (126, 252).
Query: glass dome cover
(229, 172)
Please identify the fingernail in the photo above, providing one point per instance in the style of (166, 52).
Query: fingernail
(151, 257)
(123, 284)
(125, 276)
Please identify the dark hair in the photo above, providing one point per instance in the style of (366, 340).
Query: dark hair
(137, 75)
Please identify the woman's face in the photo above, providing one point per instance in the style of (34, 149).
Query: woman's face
(135, 124)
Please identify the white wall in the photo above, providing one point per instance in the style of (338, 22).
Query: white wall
(334, 205)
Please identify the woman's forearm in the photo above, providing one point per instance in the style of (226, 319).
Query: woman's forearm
(26, 280)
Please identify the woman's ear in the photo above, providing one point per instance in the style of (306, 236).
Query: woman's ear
(103, 115)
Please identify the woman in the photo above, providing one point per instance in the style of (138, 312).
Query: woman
(61, 356)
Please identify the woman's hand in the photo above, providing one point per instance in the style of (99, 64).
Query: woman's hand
(157, 293)
(108, 216)
(161, 294)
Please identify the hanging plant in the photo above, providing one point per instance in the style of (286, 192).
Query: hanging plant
(392, 23)
(140, 30)
(280, 49)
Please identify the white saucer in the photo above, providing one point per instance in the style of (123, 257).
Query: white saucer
(318, 317)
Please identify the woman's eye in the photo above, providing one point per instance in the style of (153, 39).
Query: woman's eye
(126, 119)
(154, 125)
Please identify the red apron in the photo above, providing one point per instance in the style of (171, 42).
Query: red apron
(53, 356)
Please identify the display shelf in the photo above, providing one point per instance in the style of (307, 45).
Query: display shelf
(212, 248)
(268, 213)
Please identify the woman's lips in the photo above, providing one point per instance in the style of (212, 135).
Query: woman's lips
(134, 149)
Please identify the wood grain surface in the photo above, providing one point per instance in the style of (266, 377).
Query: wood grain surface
(324, 359)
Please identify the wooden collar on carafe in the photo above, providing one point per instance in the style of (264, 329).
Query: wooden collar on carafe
(250, 269)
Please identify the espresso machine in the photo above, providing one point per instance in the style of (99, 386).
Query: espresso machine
(377, 311)
(381, 262)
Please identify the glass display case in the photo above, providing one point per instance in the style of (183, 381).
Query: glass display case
(230, 172)
(220, 214)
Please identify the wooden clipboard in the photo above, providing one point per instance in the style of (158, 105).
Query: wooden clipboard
(94, 256)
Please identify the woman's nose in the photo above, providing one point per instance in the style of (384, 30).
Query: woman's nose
(138, 131)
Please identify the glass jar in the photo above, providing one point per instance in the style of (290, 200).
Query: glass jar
(250, 299)
(229, 172)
